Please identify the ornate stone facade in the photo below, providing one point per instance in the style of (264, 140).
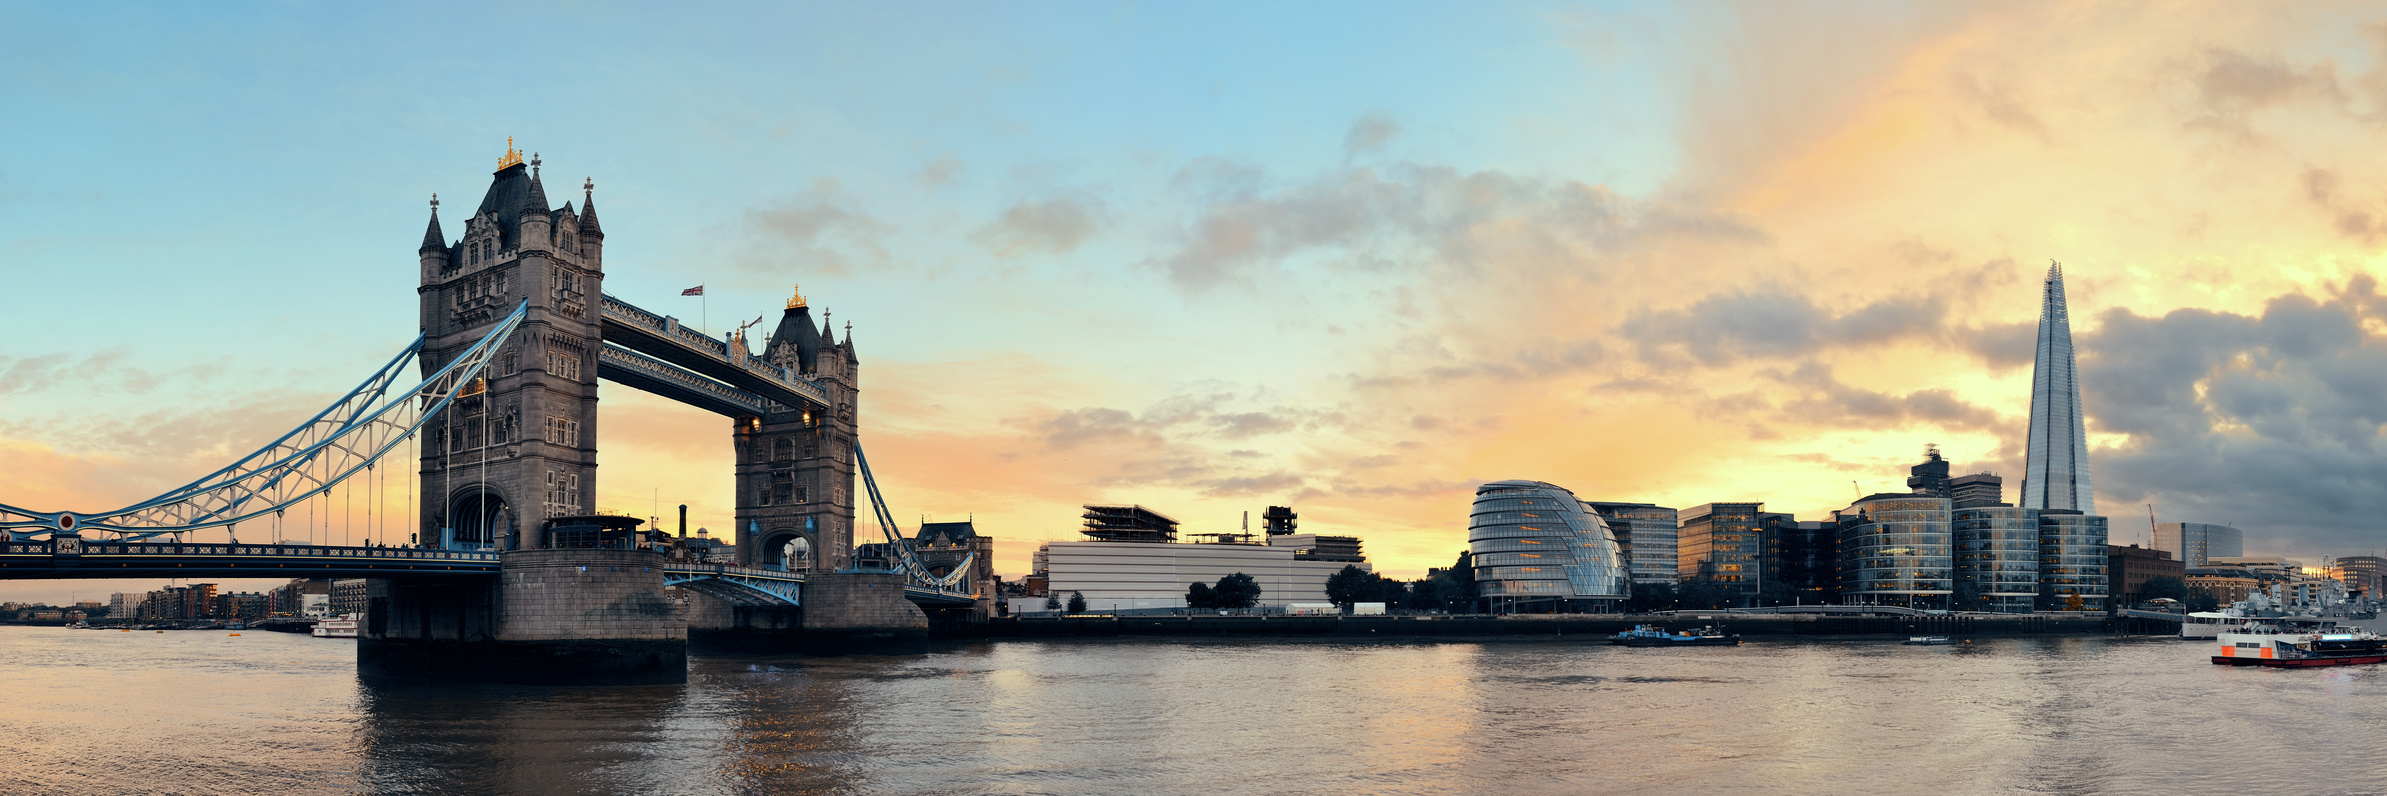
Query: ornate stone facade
(795, 468)
(523, 447)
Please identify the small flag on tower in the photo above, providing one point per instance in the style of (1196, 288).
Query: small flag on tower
(694, 291)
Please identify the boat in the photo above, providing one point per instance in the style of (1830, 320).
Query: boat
(337, 627)
(1929, 641)
(1655, 636)
(2297, 642)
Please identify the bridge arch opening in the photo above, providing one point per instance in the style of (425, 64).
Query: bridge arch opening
(787, 550)
(480, 519)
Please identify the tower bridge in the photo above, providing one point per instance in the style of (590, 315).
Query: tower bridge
(500, 580)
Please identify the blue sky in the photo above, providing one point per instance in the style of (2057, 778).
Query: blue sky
(1212, 257)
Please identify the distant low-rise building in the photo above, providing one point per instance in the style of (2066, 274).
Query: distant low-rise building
(2129, 569)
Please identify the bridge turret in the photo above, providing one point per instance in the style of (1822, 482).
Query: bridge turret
(538, 227)
(434, 252)
(592, 237)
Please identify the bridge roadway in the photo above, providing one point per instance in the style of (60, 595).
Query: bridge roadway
(643, 350)
(45, 559)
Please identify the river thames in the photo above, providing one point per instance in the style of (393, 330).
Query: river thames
(107, 712)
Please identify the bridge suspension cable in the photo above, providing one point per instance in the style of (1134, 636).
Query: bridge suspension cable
(913, 569)
(342, 441)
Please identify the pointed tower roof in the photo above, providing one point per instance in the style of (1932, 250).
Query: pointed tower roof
(848, 348)
(588, 210)
(796, 329)
(433, 239)
(535, 201)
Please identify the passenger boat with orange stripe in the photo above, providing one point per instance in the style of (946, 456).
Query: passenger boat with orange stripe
(2297, 642)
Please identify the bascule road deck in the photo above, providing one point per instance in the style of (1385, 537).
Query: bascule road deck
(95, 559)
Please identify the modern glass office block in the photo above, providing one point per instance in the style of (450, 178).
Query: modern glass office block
(1997, 554)
(2071, 560)
(1894, 550)
(1536, 548)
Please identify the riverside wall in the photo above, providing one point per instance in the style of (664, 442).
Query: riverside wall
(1542, 625)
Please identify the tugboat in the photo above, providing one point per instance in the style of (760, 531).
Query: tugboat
(1655, 636)
(2298, 642)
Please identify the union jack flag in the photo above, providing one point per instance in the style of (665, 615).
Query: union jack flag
(694, 291)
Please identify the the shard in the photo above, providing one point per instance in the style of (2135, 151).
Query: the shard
(2056, 470)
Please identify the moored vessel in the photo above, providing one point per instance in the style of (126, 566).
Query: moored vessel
(1656, 636)
(1928, 641)
(2297, 642)
(337, 627)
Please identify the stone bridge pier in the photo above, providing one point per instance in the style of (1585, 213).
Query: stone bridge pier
(552, 617)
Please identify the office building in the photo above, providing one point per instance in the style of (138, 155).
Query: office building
(1723, 542)
(1894, 550)
(2196, 544)
(2225, 584)
(1996, 552)
(1535, 548)
(2056, 471)
(1799, 560)
(2365, 574)
(1153, 576)
(1930, 477)
(2071, 561)
(2127, 570)
(1319, 547)
(1979, 490)
(1647, 533)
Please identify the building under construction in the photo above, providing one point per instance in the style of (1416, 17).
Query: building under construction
(1129, 524)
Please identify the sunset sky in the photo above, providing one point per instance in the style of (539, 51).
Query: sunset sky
(1354, 258)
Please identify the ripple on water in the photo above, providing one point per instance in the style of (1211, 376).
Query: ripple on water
(89, 713)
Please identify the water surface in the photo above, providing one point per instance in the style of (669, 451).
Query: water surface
(103, 712)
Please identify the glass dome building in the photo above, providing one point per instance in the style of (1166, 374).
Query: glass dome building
(1536, 548)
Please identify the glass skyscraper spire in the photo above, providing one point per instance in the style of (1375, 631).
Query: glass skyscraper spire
(2056, 470)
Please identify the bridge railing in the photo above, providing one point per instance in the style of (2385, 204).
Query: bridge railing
(147, 548)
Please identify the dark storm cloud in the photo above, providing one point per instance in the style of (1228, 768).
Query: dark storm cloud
(2272, 421)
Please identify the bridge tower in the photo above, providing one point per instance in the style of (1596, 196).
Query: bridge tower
(522, 446)
(795, 466)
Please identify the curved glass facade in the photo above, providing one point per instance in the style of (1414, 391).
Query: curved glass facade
(1534, 542)
(2071, 560)
(1894, 551)
(1997, 553)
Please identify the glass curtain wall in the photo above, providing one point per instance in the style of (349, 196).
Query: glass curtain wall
(1536, 549)
(1894, 550)
(1997, 554)
(2071, 561)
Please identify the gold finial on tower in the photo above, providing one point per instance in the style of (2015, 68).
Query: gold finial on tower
(798, 299)
(512, 158)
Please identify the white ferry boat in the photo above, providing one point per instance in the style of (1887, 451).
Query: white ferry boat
(2208, 624)
(2297, 642)
(337, 627)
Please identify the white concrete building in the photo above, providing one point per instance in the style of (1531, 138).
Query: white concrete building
(1124, 576)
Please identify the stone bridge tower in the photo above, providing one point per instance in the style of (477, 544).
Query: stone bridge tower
(521, 447)
(795, 468)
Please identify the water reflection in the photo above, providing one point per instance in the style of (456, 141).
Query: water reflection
(92, 713)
